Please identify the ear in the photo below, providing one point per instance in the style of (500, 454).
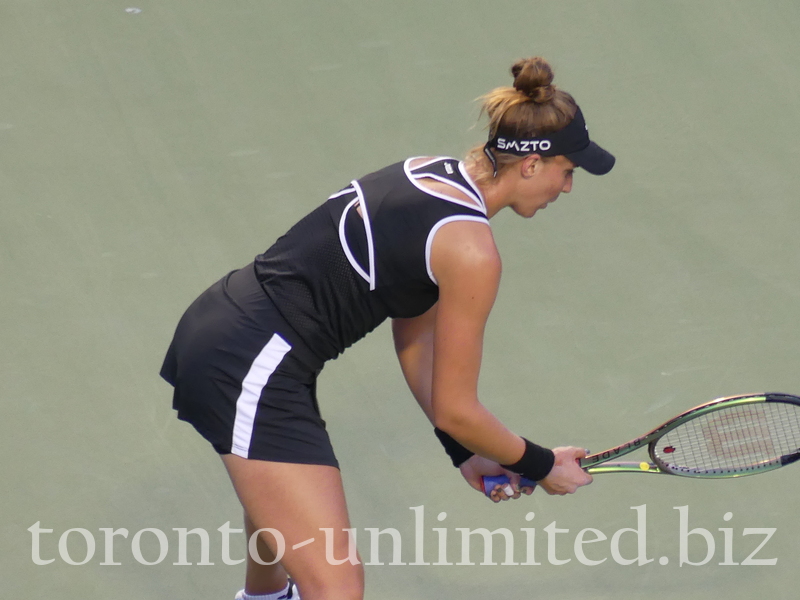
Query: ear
(529, 164)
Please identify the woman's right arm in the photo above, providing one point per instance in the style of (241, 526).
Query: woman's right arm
(467, 267)
(465, 262)
(440, 354)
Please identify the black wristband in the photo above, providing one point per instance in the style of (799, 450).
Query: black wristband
(457, 453)
(535, 464)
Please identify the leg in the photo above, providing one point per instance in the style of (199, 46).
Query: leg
(298, 501)
(260, 578)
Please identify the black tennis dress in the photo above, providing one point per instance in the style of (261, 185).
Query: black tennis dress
(246, 354)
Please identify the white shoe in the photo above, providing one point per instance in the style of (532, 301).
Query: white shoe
(292, 594)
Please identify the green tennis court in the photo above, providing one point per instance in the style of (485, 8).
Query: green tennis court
(147, 148)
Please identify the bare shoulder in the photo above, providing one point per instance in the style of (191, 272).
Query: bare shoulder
(465, 249)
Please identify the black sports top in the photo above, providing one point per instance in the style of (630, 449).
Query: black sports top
(337, 274)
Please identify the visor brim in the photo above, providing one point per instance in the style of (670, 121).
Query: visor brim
(593, 159)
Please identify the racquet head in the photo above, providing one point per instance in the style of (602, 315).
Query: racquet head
(731, 437)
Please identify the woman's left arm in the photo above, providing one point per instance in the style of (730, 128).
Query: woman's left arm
(413, 341)
(414, 344)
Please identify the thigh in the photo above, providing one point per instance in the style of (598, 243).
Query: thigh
(301, 502)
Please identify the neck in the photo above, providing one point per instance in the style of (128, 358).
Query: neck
(495, 192)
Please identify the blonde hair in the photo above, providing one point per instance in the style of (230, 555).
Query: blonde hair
(532, 107)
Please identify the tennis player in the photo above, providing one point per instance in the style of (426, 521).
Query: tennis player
(410, 242)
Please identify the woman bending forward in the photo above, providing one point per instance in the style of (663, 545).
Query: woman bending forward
(410, 242)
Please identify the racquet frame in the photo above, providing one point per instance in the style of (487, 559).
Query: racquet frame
(597, 463)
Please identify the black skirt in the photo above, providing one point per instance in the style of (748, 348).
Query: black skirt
(243, 378)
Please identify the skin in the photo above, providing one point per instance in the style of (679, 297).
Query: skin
(466, 264)
(440, 355)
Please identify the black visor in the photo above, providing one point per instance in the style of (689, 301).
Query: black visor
(571, 141)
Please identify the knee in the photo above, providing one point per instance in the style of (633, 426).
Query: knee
(339, 584)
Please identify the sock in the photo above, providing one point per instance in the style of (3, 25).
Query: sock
(283, 594)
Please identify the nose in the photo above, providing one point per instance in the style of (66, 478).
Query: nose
(567, 186)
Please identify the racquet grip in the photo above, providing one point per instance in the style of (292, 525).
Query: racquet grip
(492, 481)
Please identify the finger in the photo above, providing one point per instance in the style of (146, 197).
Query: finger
(511, 490)
(501, 493)
(514, 480)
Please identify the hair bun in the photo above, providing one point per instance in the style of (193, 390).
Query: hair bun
(534, 78)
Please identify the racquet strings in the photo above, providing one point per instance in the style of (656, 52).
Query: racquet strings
(737, 439)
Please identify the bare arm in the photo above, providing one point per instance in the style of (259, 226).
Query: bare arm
(466, 264)
(413, 342)
(440, 351)
(440, 355)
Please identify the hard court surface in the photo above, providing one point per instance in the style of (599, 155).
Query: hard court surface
(148, 148)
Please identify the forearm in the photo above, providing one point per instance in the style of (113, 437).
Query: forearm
(478, 430)
(413, 339)
(470, 427)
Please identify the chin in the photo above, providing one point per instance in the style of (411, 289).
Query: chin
(530, 214)
(526, 213)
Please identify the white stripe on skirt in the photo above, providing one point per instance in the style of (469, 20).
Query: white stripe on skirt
(246, 404)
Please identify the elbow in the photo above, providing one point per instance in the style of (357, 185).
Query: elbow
(456, 412)
(451, 422)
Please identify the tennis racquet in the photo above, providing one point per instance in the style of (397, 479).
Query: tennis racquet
(727, 437)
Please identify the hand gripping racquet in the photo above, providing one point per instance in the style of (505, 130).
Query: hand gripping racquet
(727, 437)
